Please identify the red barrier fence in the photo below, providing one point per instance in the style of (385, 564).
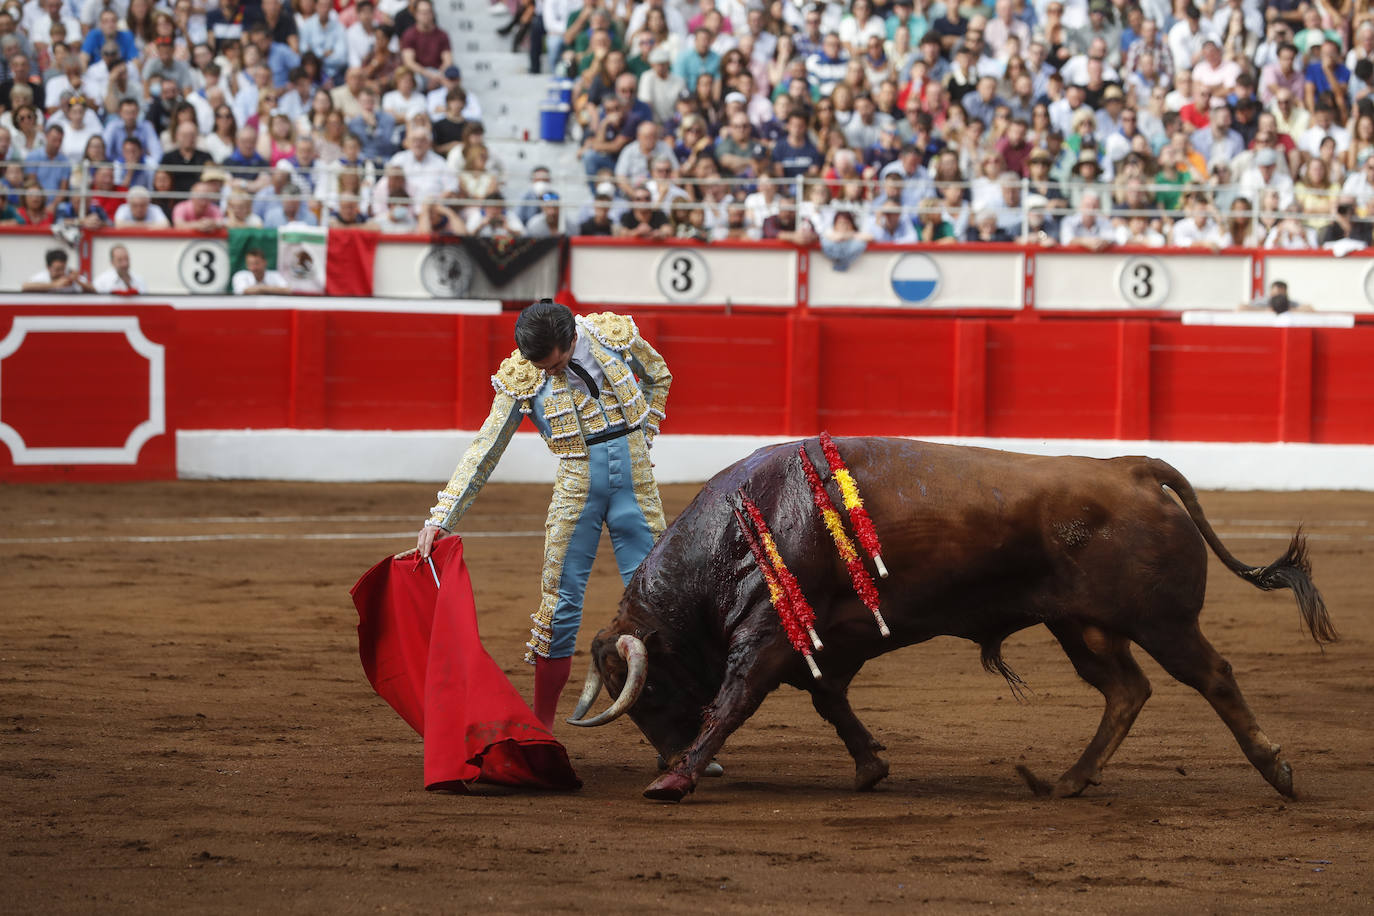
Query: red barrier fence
(84, 386)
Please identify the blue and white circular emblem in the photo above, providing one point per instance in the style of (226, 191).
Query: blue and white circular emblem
(915, 278)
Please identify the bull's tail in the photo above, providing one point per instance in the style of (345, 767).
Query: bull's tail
(1293, 570)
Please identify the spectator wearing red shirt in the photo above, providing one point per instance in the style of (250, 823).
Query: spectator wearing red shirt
(1014, 148)
(425, 47)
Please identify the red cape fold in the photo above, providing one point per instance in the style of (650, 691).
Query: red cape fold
(422, 654)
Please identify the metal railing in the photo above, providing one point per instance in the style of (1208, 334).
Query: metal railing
(857, 195)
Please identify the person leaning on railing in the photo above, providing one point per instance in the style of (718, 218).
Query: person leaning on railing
(138, 212)
(256, 279)
(57, 276)
(119, 279)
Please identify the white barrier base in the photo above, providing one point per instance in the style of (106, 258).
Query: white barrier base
(372, 455)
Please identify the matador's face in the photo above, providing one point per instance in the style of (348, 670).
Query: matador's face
(556, 361)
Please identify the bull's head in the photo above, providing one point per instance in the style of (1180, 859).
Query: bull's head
(663, 683)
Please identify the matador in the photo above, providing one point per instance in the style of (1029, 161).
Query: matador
(596, 391)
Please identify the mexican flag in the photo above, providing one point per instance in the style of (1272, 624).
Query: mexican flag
(315, 261)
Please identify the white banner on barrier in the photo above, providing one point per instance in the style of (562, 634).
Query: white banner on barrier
(684, 275)
(892, 278)
(22, 258)
(1111, 280)
(1327, 284)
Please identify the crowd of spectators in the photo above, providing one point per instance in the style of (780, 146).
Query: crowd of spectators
(135, 113)
(1083, 122)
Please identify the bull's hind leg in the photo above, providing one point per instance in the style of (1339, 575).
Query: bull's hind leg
(1103, 660)
(830, 697)
(1187, 655)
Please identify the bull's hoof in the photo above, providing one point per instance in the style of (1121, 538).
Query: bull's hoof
(867, 775)
(713, 769)
(1281, 778)
(1072, 784)
(670, 787)
(1037, 785)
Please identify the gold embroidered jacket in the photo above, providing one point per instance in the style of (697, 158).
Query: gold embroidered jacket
(564, 416)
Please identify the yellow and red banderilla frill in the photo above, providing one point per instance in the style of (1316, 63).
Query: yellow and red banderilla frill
(863, 582)
(794, 611)
(858, 515)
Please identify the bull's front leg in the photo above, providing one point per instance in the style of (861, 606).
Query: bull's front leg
(752, 672)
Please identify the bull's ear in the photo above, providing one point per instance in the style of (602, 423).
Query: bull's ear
(650, 637)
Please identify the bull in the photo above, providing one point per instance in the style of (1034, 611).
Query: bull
(981, 544)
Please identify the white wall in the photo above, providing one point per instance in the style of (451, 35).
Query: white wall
(341, 455)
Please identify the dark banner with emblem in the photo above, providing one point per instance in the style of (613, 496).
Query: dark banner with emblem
(492, 268)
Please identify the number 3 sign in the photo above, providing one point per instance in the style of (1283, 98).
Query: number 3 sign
(204, 266)
(1143, 282)
(682, 275)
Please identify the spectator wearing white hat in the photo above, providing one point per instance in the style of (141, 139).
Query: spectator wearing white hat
(659, 86)
(1266, 176)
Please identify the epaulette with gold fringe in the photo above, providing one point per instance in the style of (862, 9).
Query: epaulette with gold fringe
(518, 377)
(612, 331)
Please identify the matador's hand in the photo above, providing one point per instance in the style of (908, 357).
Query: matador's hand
(424, 543)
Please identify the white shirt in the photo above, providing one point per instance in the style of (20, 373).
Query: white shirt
(155, 218)
(1188, 233)
(1075, 71)
(74, 139)
(1184, 44)
(428, 178)
(513, 226)
(41, 33)
(437, 100)
(1073, 228)
(402, 108)
(44, 277)
(1253, 186)
(110, 282)
(1310, 142)
(760, 209)
(677, 25)
(1061, 115)
(244, 279)
(1149, 237)
(582, 352)
(1359, 187)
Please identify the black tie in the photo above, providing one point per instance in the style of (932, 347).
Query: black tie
(586, 377)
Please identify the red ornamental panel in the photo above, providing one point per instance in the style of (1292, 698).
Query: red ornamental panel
(82, 396)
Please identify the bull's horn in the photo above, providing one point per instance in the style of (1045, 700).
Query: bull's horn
(590, 690)
(632, 650)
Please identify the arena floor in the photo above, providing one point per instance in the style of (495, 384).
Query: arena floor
(186, 726)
